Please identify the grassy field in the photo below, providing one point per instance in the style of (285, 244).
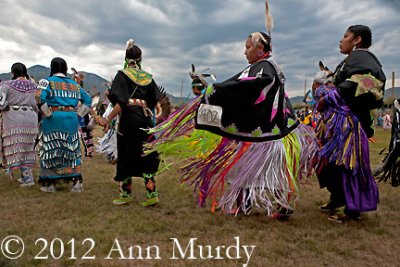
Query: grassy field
(81, 221)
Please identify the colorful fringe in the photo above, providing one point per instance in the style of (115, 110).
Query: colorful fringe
(179, 123)
(269, 170)
(344, 141)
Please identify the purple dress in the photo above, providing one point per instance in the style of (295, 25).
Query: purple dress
(344, 129)
(345, 165)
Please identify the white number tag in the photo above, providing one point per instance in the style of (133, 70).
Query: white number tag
(209, 115)
(43, 83)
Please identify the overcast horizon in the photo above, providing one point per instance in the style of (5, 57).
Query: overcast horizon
(173, 34)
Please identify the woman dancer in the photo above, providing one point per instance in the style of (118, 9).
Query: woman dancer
(60, 152)
(19, 123)
(247, 134)
(134, 94)
(345, 167)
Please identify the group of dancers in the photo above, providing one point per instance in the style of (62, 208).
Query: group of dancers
(43, 116)
(239, 142)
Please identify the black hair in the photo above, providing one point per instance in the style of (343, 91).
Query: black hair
(267, 46)
(58, 65)
(266, 43)
(134, 53)
(19, 70)
(364, 32)
(198, 83)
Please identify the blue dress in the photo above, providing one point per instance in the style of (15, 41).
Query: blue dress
(60, 153)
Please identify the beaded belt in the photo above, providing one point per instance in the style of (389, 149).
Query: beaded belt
(62, 108)
(137, 102)
(14, 107)
(140, 102)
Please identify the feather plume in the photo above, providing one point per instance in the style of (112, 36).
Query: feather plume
(129, 44)
(321, 65)
(164, 106)
(201, 75)
(269, 21)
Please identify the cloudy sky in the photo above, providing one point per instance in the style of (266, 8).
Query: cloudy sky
(91, 35)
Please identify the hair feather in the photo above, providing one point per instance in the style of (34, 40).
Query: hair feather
(269, 21)
(129, 44)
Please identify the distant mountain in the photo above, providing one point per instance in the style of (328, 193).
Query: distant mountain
(392, 93)
(297, 101)
(178, 101)
(5, 76)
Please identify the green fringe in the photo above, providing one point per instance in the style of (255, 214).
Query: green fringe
(197, 145)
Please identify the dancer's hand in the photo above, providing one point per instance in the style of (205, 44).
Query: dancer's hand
(103, 121)
(106, 128)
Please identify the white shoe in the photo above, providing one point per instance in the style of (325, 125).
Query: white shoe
(78, 187)
(30, 182)
(48, 189)
(20, 180)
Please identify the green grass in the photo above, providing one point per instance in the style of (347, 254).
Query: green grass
(307, 239)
